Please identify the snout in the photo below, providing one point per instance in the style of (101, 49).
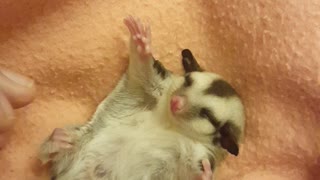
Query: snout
(178, 104)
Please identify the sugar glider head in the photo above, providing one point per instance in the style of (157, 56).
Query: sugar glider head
(207, 106)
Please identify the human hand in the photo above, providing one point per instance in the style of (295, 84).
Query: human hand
(207, 174)
(15, 91)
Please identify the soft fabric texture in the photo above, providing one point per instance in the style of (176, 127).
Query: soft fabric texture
(77, 50)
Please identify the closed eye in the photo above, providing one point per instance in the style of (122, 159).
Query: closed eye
(207, 114)
(204, 113)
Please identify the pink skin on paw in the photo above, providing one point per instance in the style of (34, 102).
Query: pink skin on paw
(61, 139)
(141, 36)
(207, 174)
(177, 104)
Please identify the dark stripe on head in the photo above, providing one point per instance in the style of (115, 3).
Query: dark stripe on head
(220, 88)
(187, 80)
(205, 113)
(161, 70)
(189, 63)
(53, 178)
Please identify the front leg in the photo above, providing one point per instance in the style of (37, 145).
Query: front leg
(144, 71)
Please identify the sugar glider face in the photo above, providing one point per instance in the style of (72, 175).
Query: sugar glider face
(210, 107)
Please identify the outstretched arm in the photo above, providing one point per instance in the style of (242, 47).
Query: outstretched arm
(143, 74)
(144, 71)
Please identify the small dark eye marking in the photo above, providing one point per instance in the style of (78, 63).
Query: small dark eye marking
(161, 70)
(221, 88)
(187, 81)
(205, 113)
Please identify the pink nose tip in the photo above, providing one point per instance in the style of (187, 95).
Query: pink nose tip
(177, 103)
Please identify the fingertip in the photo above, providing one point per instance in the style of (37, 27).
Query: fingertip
(126, 21)
(6, 113)
(140, 28)
(128, 25)
(134, 37)
(18, 89)
(131, 19)
(17, 78)
(148, 50)
(26, 96)
(127, 17)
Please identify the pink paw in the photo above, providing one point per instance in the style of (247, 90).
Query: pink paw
(207, 174)
(140, 34)
(60, 139)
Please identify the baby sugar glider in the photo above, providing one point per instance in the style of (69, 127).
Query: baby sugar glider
(155, 125)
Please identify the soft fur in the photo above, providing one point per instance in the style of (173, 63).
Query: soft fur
(133, 135)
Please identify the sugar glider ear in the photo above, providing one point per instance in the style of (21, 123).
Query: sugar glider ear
(230, 138)
(189, 63)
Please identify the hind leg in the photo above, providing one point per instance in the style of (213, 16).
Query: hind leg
(60, 141)
(207, 172)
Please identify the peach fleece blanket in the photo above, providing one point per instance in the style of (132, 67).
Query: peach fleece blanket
(76, 50)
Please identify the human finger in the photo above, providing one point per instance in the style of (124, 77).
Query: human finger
(6, 113)
(18, 89)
